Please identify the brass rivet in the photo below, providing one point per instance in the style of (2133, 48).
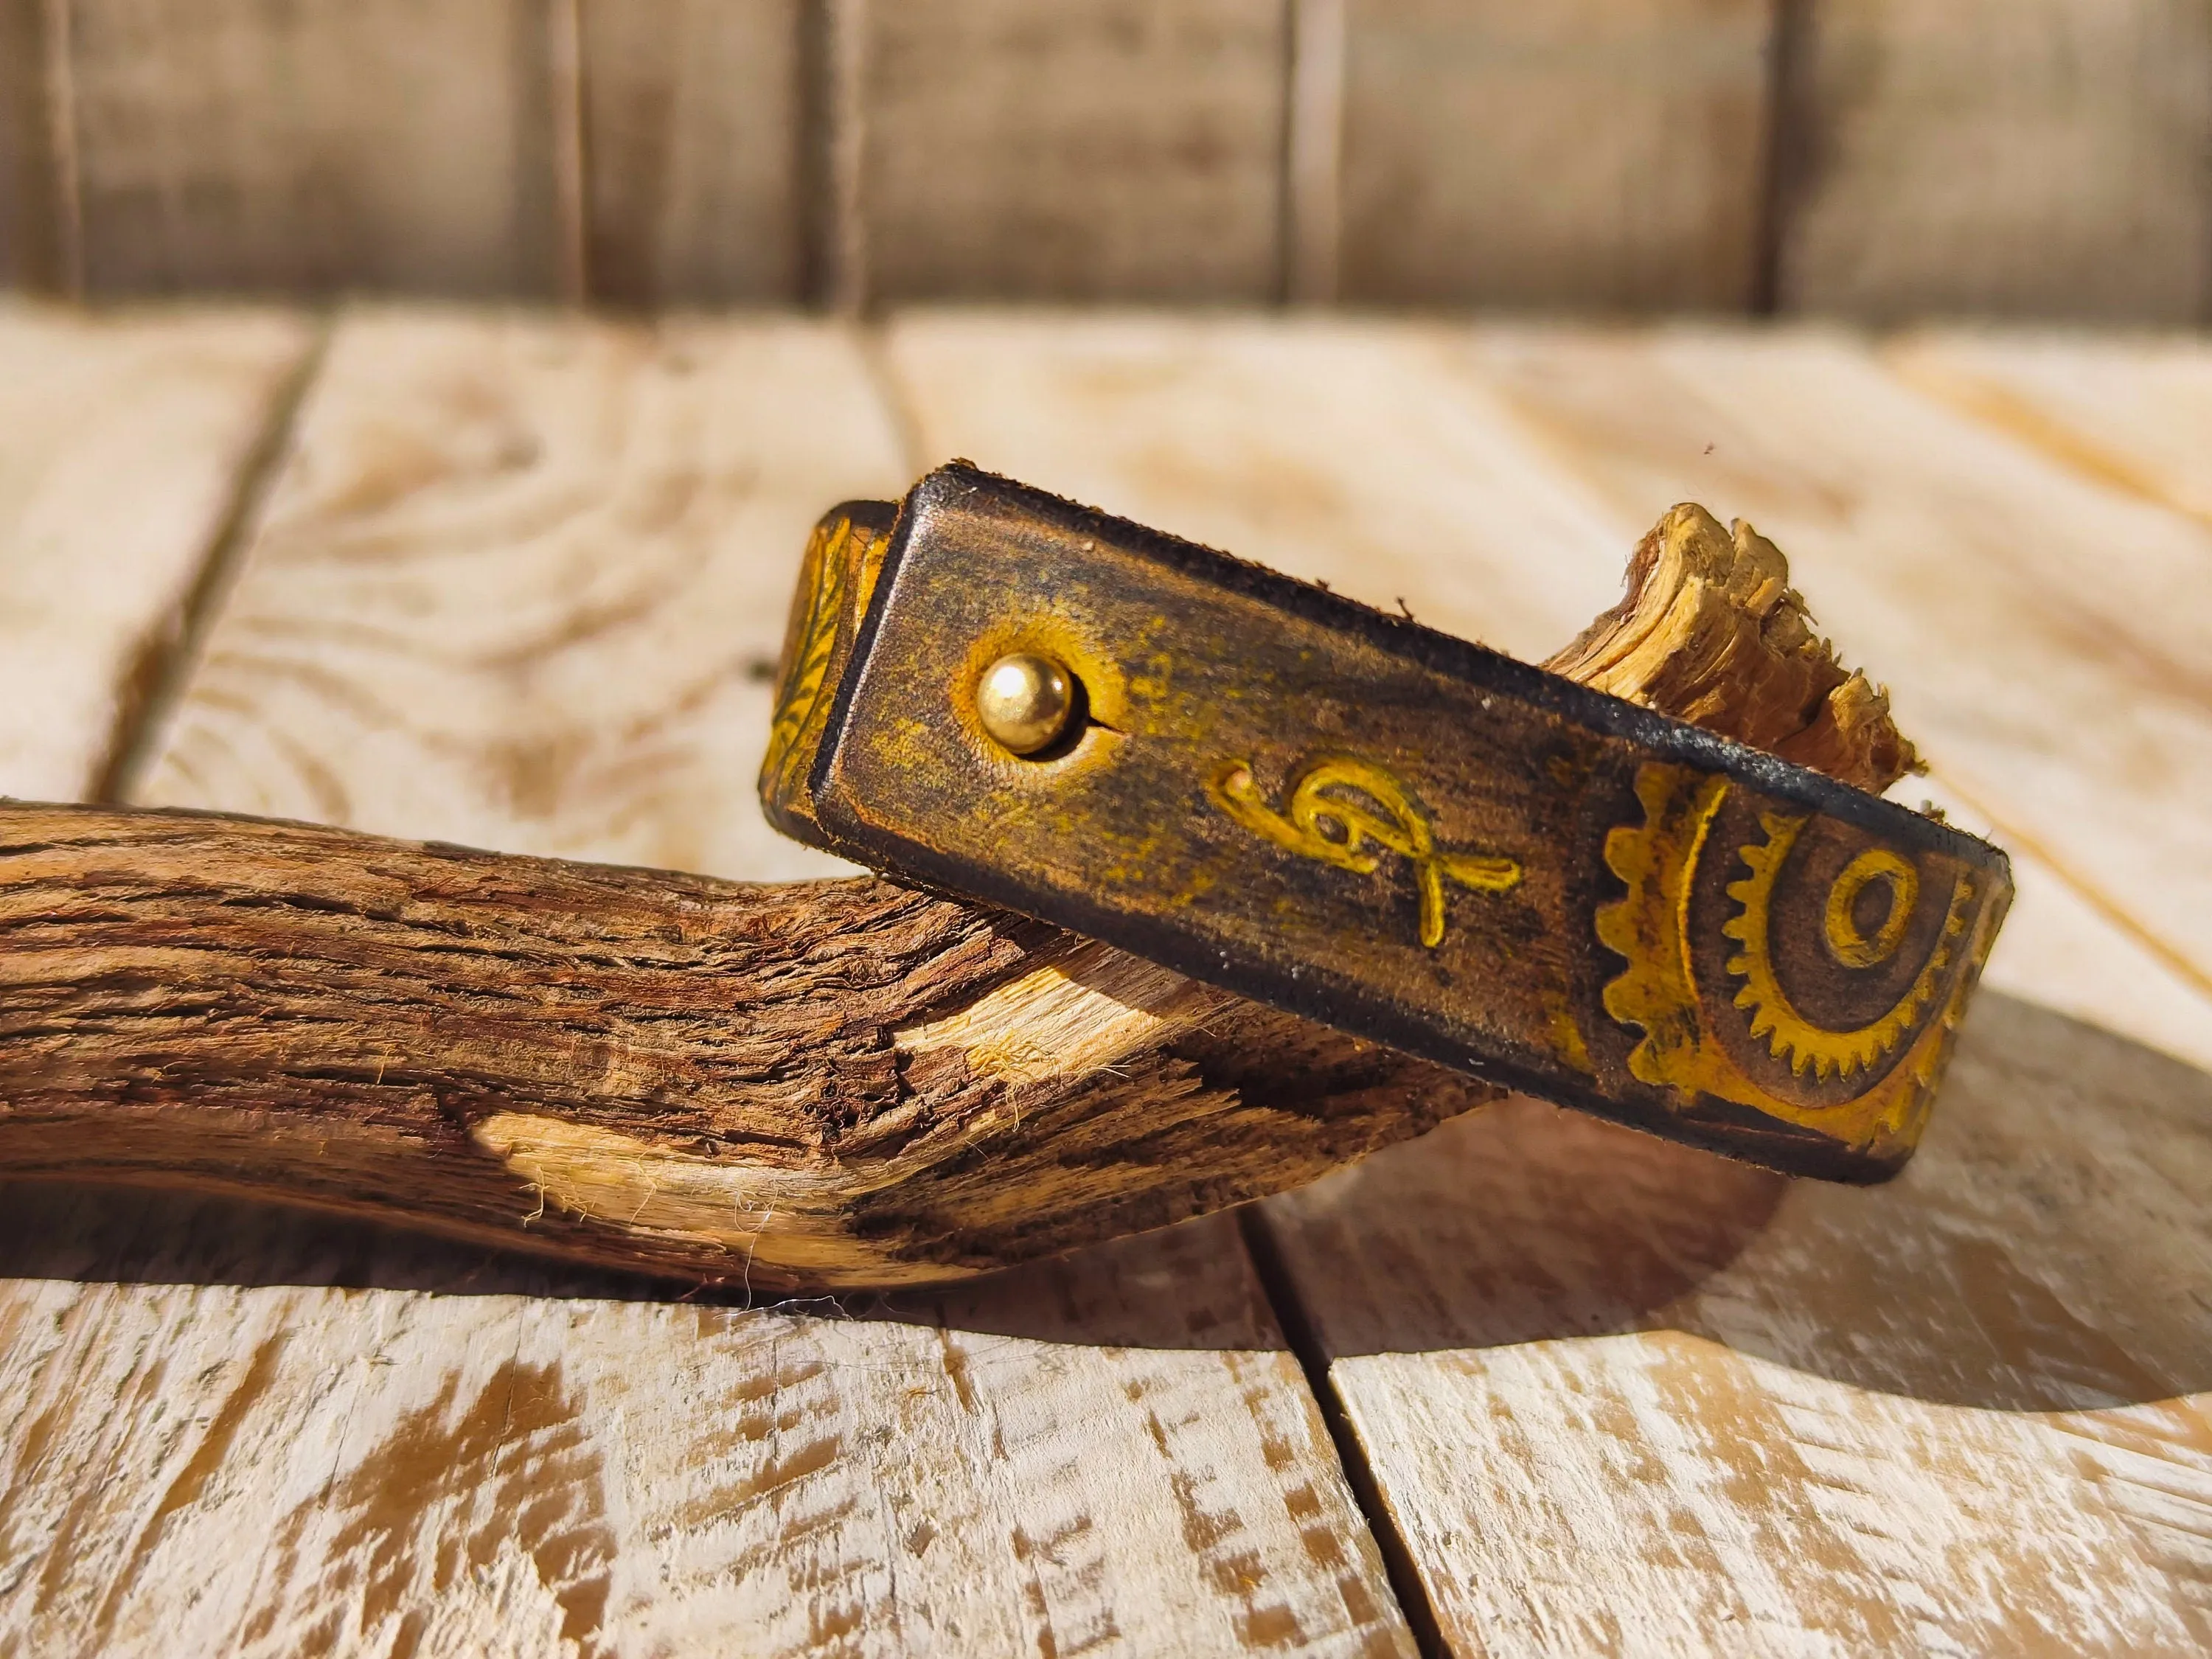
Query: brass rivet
(1025, 701)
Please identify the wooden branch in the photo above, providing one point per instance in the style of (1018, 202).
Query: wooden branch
(815, 1085)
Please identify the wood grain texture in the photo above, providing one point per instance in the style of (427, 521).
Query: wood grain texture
(792, 1085)
(1623, 1398)
(31, 174)
(125, 440)
(1594, 155)
(1345, 451)
(228, 1432)
(1913, 527)
(1128, 149)
(2046, 159)
(694, 115)
(396, 145)
(2133, 412)
(524, 583)
(1710, 630)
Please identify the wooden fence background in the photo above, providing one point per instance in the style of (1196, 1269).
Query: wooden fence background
(1872, 159)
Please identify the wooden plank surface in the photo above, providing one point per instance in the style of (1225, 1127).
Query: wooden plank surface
(693, 133)
(2036, 158)
(1118, 149)
(396, 145)
(1591, 156)
(31, 173)
(228, 1432)
(523, 586)
(2132, 412)
(513, 585)
(1618, 1396)
(124, 441)
(1347, 452)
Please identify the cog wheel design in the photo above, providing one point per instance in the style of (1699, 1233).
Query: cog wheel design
(1789, 1035)
(1673, 989)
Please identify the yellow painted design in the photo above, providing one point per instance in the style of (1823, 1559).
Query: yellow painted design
(822, 581)
(1845, 942)
(1371, 813)
(1567, 1038)
(1659, 990)
(1789, 1035)
(835, 580)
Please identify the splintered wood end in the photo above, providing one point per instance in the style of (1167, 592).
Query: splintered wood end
(1711, 631)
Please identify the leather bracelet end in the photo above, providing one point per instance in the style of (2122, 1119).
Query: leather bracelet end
(1266, 787)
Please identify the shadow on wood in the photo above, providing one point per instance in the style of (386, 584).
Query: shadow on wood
(62, 1231)
(2045, 1252)
(809, 1086)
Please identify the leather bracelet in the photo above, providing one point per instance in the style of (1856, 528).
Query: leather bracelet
(1004, 695)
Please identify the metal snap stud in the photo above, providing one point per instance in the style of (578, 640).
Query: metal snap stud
(1025, 702)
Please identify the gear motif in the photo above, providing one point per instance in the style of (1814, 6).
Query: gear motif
(1676, 988)
(1789, 1035)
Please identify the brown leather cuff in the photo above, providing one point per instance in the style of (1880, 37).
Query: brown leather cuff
(1397, 833)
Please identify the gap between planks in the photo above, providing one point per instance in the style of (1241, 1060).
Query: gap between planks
(1277, 1285)
(1281, 1286)
(1141, 1565)
(165, 662)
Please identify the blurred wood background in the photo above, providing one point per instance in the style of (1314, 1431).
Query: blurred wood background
(1872, 159)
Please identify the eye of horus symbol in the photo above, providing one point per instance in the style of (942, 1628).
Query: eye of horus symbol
(1348, 813)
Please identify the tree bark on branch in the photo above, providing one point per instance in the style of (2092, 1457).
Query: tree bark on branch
(800, 1086)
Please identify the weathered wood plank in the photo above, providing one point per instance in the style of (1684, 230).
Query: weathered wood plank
(396, 145)
(2049, 159)
(2133, 412)
(2013, 606)
(510, 587)
(1588, 155)
(231, 1433)
(31, 174)
(1620, 1396)
(122, 440)
(693, 112)
(1120, 149)
(1346, 452)
(524, 585)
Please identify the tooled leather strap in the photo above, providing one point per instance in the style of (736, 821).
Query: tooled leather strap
(1400, 834)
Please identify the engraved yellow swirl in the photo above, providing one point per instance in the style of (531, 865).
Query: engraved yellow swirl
(1351, 834)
